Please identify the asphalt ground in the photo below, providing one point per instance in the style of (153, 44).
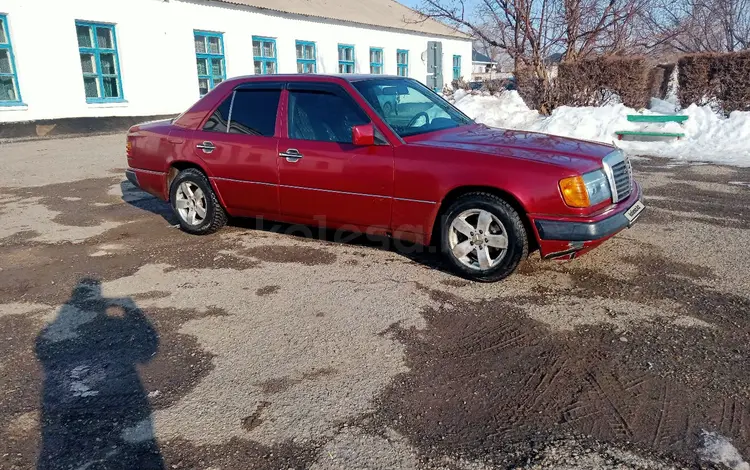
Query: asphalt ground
(126, 343)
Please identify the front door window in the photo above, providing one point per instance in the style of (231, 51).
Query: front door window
(324, 116)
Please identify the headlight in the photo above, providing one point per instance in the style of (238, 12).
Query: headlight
(597, 187)
(587, 190)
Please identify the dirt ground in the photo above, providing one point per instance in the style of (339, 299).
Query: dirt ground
(125, 343)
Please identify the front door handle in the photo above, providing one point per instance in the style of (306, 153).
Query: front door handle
(207, 147)
(291, 155)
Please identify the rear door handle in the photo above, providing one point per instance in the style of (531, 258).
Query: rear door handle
(291, 155)
(207, 147)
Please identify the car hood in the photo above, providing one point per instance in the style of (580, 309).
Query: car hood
(574, 154)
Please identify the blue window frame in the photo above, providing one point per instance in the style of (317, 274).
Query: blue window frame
(264, 55)
(209, 57)
(10, 94)
(346, 58)
(306, 57)
(376, 60)
(456, 67)
(100, 64)
(402, 62)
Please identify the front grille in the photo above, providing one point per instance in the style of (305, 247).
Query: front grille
(622, 176)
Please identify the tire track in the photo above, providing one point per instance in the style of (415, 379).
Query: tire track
(505, 384)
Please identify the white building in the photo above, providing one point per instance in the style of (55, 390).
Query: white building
(124, 58)
(482, 67)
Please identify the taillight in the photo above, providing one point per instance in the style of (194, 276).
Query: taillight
(129, 148)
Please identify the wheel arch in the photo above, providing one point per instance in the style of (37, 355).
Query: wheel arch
(177, 166)
(506, 196)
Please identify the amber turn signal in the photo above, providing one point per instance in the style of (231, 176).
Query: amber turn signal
(129, 148)
(574, 192)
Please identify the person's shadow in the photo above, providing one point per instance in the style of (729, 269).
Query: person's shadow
(95, 411)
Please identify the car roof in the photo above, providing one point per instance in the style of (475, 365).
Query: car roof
(349, 77)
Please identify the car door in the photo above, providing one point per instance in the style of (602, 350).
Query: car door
(239, 144)
(324, 178)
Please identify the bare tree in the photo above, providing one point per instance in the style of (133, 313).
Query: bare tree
(521, 28)
(530, 30)
(690, 26)
(594, 27)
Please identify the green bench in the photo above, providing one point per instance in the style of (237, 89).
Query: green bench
(653, 119)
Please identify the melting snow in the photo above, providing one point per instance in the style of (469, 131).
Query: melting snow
(717, 449)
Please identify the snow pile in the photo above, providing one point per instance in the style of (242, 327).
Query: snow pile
(588, 123)
(505, 110)
(717, 449)
(663, 106)
(708, 136)
(673, 87)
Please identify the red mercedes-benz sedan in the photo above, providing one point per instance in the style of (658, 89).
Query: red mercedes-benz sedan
(387, 156)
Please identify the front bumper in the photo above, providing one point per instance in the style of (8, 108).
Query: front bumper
(582, 231)
(566, 238)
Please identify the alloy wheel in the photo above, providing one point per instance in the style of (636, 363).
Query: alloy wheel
(190, 202)
(477, 239)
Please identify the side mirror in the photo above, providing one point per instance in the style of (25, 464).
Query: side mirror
(363, 135)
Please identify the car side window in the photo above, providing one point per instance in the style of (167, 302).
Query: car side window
(220, 118)
(254, 112)
(324, 115)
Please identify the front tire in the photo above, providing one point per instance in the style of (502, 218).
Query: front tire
(483, 237)
(195, 204)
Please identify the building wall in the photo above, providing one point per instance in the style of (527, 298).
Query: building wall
(157, 55)
(482, 71)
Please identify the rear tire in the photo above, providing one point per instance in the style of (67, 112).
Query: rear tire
(483, 237)
(195, 204)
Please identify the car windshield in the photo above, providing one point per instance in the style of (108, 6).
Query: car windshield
(409, 107)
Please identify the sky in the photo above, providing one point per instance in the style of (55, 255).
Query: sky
(410, 3)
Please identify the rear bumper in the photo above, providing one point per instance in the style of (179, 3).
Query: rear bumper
(152, 182)
(132, 177)
(561, 238)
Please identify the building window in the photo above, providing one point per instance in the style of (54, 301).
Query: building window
(97, 46)
(209, 55)
(306, 57)
(402, 62)
(346, 59)
(264, 55)
(456, 67)
(376, 60)
(10, 95)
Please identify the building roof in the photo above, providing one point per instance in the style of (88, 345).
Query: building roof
(555, 58)
(380, 13)
(480, 58)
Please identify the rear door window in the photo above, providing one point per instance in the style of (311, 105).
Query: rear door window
(254, 112)
(250, 111)
(220, 118)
